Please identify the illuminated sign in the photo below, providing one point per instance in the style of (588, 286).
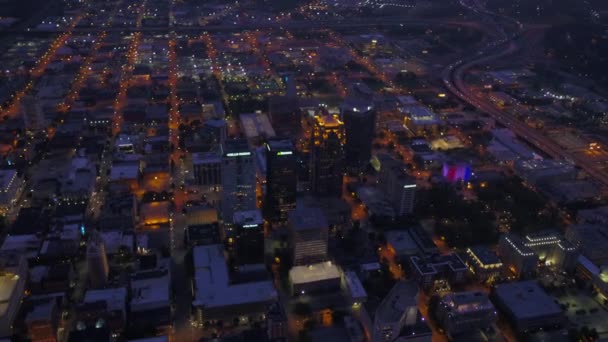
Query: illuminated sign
(250, 226)
(238, 154)
(409, 186)
(284, 153)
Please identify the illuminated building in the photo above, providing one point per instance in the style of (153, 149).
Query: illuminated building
(281, 180)
(463, 312)
(359, 126)
(516, 256)
(327, 155)
(456, 172)
(483, 263)
(10, 188)
(249, 237)
(308, 235)
(13, 274)
(97, 261)
(238, 179)
(314, 278)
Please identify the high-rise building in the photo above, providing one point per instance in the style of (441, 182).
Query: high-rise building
(359, 122)
(238, 179)
(281, 179)
(308, 235)
(97, 261)
(398, 186)
(327, 154)
(249, 237)
(32, 113)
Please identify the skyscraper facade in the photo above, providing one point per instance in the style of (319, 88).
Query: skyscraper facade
(359, 125)
(281, 179)
(327, 155)
(238, 179)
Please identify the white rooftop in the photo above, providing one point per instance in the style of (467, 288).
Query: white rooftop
(314, 273)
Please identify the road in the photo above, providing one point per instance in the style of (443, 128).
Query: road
(453, 78)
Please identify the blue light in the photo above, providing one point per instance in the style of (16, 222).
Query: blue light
(82, 230)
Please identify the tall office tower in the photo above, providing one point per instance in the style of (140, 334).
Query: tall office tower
(238, 179)
(32, 113)
(249, 237)
(308, 230)
(281, 179)
(327, 155)
(399, 187)
(359, 119)
(97, 261)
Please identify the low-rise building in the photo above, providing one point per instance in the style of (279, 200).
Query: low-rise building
(483, 263)
(428, 270)
(463, 312)
(527, 306)
(217, 299)
(516, 256)
(314, 278)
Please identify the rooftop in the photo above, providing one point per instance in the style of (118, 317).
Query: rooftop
(467, 302)
(307, 218)
(213, 288)
(399, 301)
(314, 273)
(248, 218)
(526, 299)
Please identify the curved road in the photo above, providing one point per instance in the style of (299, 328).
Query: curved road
(453, 78)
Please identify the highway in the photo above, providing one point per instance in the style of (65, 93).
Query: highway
(453, 78)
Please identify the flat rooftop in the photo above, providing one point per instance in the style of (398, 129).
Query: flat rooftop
(526, 300)
(307, 218)
(314, 273)
(213, 287)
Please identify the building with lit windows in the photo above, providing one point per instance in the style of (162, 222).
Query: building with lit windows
(308, 230)
(553, 249)
(327, 155)
(281, 179)
(516, 256)
(463, 312)
(11, 185)
(238, 179)
(483, 263)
